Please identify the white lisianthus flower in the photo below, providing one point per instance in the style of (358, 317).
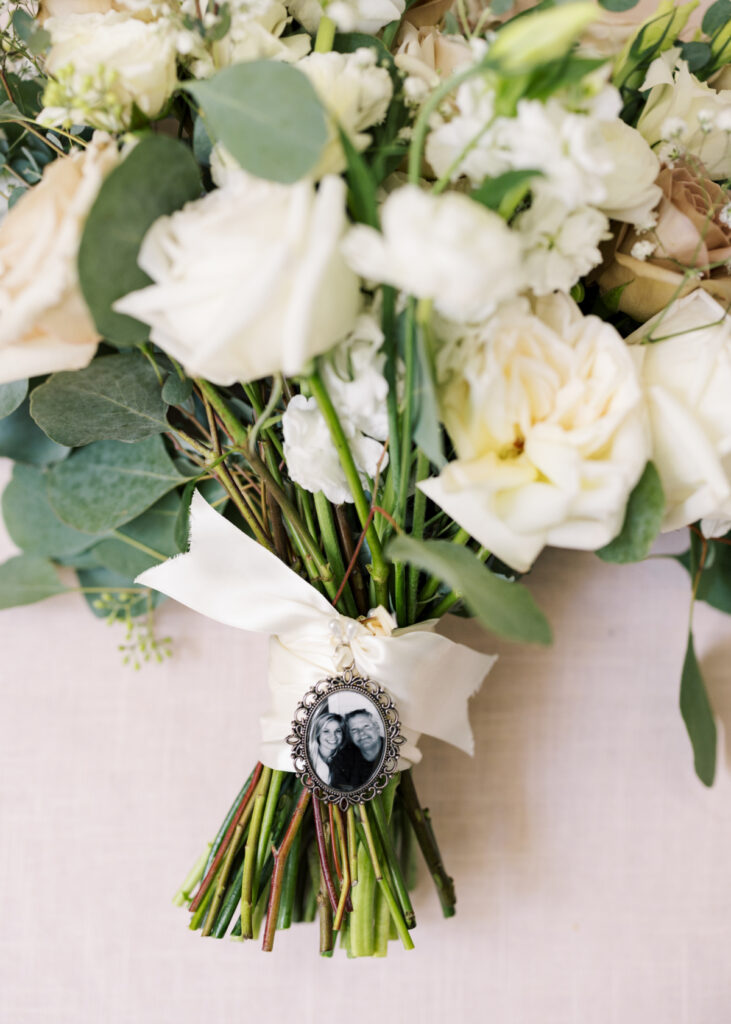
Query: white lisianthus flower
(559, 245)
(447, 248)
(545, 411)
(700, 114)
(354, 379)
(44, 322)
(631, 192)
(249, 280)
(367, 16)
(355, 93)
(106, 64)
(686, 375)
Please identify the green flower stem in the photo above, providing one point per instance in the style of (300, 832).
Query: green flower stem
(289, 886)
(402, 493)
(380, 568)
(250, 854)
(325, 35)
(396, 915)
(421, 824)
(280, 860)
(265, 833)
(390, 855)
(201, 911)
(329, 536)
(417, 530)
(352, 840)
(183, 895)
(383, 926)
(421, 127)
(360, 923)
(341, 830)
(257, 405)
(388, 326)
(327, 938)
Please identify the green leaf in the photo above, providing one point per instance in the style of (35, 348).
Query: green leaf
(23, 441)
(427, 426)
(158, 177)
(214, 494)
(697, 54)
(349, 42)
(642, 521)
(176, 391)
(267, 115)
(698, 716)
(618, 5)
(505, 192)
(26, 579)
(11, 396)
(143, 542)
(105, 578)
(106, 484)
(362, 188)
(505, 608)
(716, 17)
(115, 398)
(30, 520)
(714, 586)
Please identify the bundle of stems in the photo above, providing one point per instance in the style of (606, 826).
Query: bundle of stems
(282, 856)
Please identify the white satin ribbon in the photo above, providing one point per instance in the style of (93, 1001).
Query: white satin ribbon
(232, 579)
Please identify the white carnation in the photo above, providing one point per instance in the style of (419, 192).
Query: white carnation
(545, 411)
(559, 245)
(447, 248)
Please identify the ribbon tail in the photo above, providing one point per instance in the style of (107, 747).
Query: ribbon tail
(228, 577)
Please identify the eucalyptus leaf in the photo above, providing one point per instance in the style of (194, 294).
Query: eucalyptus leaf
(26, 579)
(698, 716)
(143, 542)
(11, 396)
(642, 521)
(176, 391)
(30, 520)
(23, 441)
(267, 115)
(505, 608)
(114, 398)
(494, 193)
(158, 177)
(714, 586)
(108, 483)
(618, 5)
(214, 494)
(697, 54)
(112, 580)
(716, 17)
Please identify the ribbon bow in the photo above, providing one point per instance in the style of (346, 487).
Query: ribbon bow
(232, 579)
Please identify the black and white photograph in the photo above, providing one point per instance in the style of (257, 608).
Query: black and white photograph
(346, 741)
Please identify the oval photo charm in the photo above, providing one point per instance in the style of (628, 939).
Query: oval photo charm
(345, 737)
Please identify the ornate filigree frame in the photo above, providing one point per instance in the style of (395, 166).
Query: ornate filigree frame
(382, 704)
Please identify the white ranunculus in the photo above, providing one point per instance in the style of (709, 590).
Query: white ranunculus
(545, 411)
(631, 192)
(44, 323)
(686, 375)
(249, 280)
(367, 16)
(448, 248)
(104, 65)
(559, 245)
(355, 93)
(688, 115)
(354, 379)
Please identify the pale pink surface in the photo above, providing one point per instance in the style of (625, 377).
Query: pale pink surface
(592, 867)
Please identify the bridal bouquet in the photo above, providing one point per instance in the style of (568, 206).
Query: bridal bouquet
(325, 319)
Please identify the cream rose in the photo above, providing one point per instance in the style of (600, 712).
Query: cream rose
(448, 248)
(545, 411)
(426, 55)
(684, 361)
(692, 233)
(688, 116)
(44, 323)
(249, 280)
(106, 64)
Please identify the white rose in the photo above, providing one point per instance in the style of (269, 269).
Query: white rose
(356, 94)
(368, 16)
(545, 412)
(448, 248)
(104, 65)
(44, 323)
(631, 192)
(559, 245)
(686, 375)
(249, 280)
(688, 115)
